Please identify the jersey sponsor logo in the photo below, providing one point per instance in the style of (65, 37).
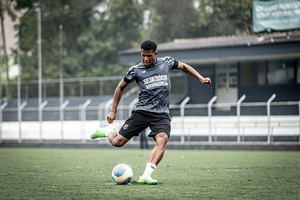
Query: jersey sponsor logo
(156, 81)
(156, 78)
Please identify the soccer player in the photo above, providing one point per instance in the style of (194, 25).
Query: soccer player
(152, 76)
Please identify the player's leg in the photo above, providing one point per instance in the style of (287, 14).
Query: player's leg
(131, 127)
(116, 139)
(154, 159)
(158, 151)
(160, 130)
(103, 132)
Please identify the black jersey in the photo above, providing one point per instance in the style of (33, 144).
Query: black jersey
(154, 84)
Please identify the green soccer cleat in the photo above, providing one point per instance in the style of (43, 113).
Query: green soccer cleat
(147, 179)
(103, 132)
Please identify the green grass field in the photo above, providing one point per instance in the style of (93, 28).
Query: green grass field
(182, 174)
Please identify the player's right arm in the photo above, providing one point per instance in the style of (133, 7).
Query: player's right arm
(116, 99)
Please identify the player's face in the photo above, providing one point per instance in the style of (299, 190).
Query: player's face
(148, 57)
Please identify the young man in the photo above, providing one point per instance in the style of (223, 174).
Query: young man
(152, 110)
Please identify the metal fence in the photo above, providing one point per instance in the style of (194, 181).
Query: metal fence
(78, 87)
(206, 127)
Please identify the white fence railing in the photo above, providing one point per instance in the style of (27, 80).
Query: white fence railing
(208, 128)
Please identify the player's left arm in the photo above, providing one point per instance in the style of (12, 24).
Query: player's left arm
(192, 72)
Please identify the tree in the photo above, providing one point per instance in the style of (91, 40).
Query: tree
(172, 19)
(75, 17)
(6, 8)
(115, 27)
(94, 32)
(220, 17)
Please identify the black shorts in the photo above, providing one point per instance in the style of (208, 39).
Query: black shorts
(140, 120)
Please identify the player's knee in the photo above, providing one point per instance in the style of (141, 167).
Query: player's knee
(117, 144)
(118, 141)
(113, 134)
(162, 138)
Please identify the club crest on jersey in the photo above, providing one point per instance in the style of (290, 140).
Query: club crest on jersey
(162, 67)
(125, 126)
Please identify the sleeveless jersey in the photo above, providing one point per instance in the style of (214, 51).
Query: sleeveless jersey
(154, 84)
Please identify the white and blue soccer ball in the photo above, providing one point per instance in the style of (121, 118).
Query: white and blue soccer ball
(122, 174)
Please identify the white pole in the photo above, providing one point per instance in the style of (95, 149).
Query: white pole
(1, 108)
(269, 116)
(209, 116)
(83, 118)
(183, 103)
(20, 108)
(41, 119)
(61, 117)
(238, 113)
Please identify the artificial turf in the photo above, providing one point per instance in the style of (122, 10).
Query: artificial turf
(27, 173)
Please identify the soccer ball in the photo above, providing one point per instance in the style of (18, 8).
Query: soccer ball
(122, 174)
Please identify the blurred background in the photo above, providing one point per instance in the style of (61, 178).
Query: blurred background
(62, 59)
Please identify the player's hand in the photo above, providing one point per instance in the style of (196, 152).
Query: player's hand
(206, 80)
(111, 117)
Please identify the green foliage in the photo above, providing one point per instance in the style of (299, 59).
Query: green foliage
(182, 174)
(95, 31)
(172, 19)
(91, 39)
(111, 31)
(220, 17)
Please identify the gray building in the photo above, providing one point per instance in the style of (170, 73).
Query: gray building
(256, 65)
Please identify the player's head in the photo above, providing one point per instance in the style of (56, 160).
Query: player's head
(148, 52)
(149, 45)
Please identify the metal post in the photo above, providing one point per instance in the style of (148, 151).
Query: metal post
(61, 76)
(20, 108)
(269, 116)
(41, 118)
(1, 108)
(39, 43)
(83, 118)
(61, 118)
(238, 113)
(19, 94)
(209, 105)
(183, 103)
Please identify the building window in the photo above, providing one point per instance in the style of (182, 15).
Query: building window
(275, 72)
(281, 72)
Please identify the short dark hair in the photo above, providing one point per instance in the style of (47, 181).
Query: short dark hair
(149, 45)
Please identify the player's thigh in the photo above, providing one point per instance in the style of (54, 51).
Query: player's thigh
(134, 125)
(162, 125)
